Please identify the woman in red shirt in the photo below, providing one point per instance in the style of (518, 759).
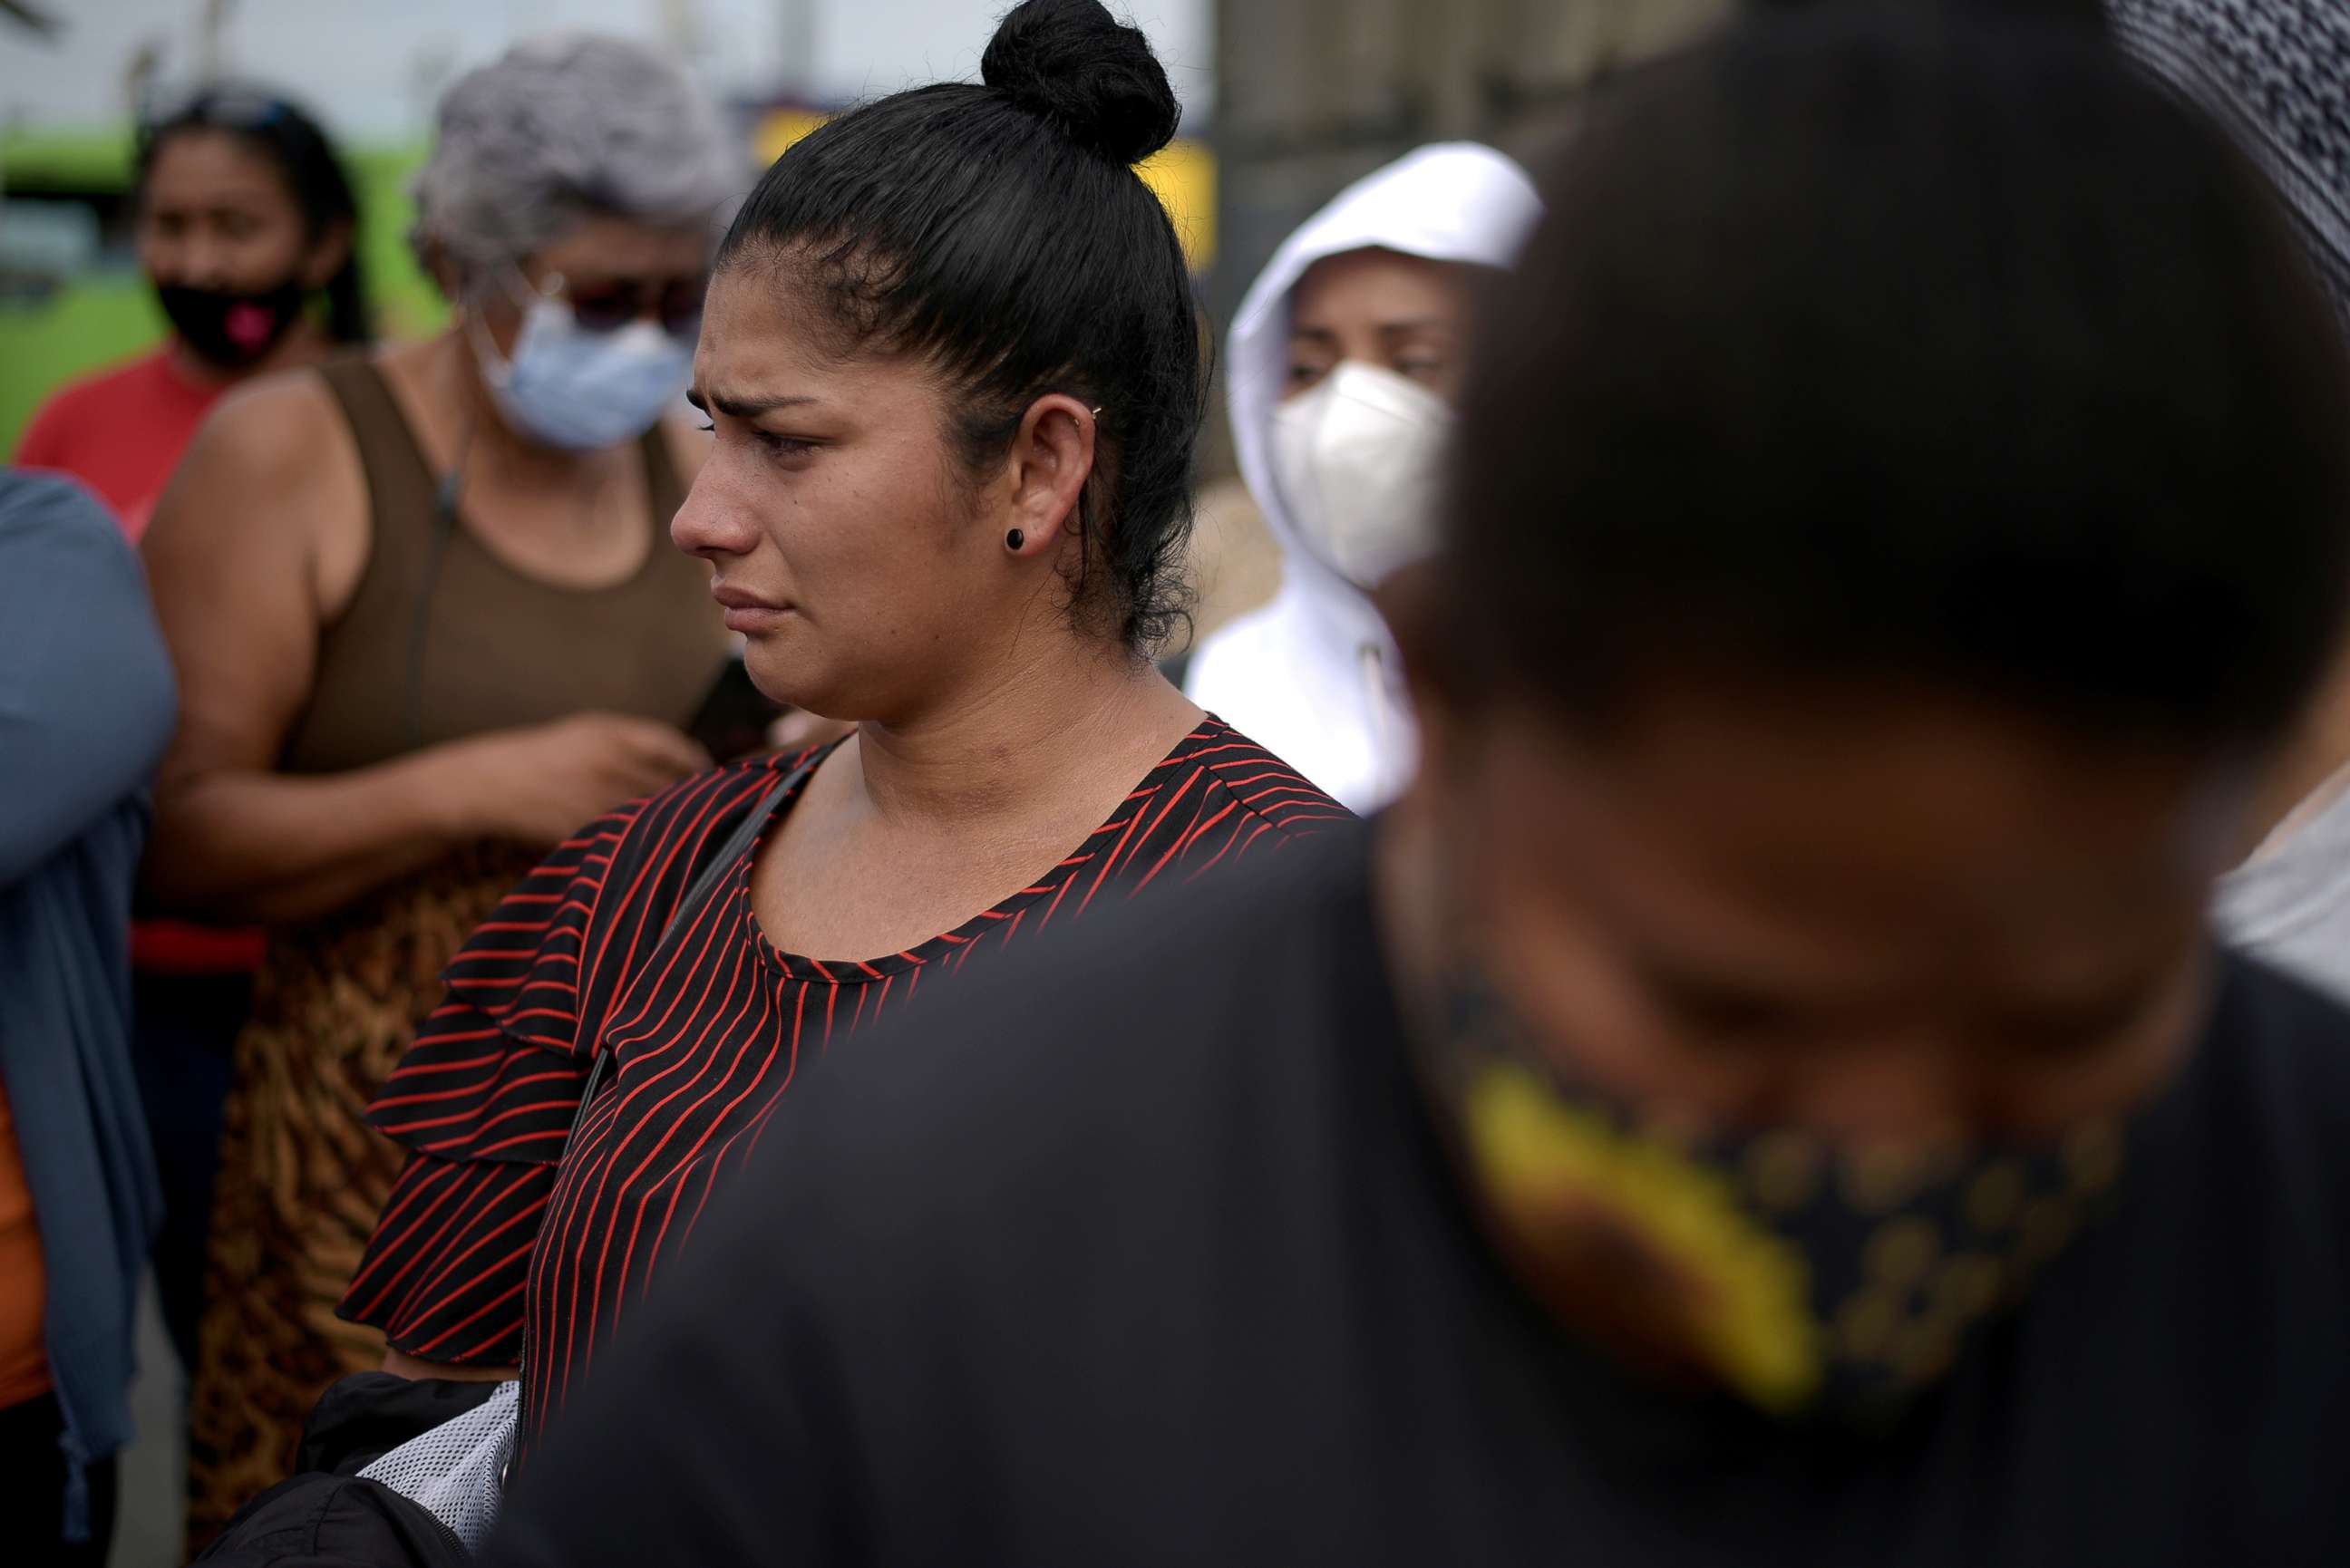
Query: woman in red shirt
(953, 364)
(244, 226)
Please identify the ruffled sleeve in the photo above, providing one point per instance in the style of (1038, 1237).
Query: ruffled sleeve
(484, 1101)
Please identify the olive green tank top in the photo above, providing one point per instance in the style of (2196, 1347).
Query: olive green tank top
(430, 651)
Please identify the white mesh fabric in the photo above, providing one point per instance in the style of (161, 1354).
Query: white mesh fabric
(454, 1471)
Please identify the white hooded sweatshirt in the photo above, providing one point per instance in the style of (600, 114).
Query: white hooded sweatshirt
(1313, 675)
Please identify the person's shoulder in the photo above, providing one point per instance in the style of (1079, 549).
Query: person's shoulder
(676, 825)
(2277, 1063)
(53, 437)
(621, 872)
(57, 514)
(273, 447)
(1113, 1034)
(272, 466)
(275, 425)
(73, 600)
(95, 393)
(1275, 802)
(1102, 1105)
(2287, 1019)
(730, 787)
(37, 499)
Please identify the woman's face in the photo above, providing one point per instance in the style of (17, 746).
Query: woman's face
(1398, 313)
(1875, 913)
(849, 546)
(217, 215)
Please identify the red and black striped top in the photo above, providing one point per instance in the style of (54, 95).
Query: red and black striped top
(497, 1237)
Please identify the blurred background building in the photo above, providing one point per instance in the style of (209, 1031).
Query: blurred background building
(1285, 100)
(1311, 94)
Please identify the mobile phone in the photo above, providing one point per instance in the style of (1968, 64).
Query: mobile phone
(734, 715)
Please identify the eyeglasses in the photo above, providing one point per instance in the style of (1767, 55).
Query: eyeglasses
(609, 304)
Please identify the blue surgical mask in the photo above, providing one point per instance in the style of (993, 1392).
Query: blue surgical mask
(565, 387)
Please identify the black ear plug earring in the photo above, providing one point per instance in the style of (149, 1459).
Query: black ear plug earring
(1015, 538)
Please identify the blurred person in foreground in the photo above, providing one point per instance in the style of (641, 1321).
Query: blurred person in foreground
(245, 223)
(1768, 1092)
(85, 714)
(1345, 362)
(427, 621)
(953, 367)
(2276, 74)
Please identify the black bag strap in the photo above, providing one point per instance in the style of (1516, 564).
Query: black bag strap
(689, 909)
(738, 844)
(698, 894)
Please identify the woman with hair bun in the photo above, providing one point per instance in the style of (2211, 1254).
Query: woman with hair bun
(953, 370)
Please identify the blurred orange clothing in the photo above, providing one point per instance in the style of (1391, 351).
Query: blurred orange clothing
(24, 1359)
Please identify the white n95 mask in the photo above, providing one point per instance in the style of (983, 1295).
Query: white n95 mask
(1357, 458)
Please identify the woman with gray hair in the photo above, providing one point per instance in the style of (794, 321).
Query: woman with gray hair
(426, 623)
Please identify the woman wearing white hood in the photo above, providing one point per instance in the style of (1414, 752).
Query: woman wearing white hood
(1343, 364)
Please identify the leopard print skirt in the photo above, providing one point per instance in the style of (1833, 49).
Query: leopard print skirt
(302, 1176)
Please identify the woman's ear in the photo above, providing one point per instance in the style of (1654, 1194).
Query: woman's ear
(1052, 458)
(327, 255)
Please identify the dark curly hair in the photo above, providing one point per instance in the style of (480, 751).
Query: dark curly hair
(999, 232)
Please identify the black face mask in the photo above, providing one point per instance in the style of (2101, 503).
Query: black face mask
(231, 328)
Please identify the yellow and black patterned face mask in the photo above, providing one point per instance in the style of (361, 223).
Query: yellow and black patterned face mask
(1812, 1280)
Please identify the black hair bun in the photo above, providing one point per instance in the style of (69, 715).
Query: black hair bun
(1075, 64)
